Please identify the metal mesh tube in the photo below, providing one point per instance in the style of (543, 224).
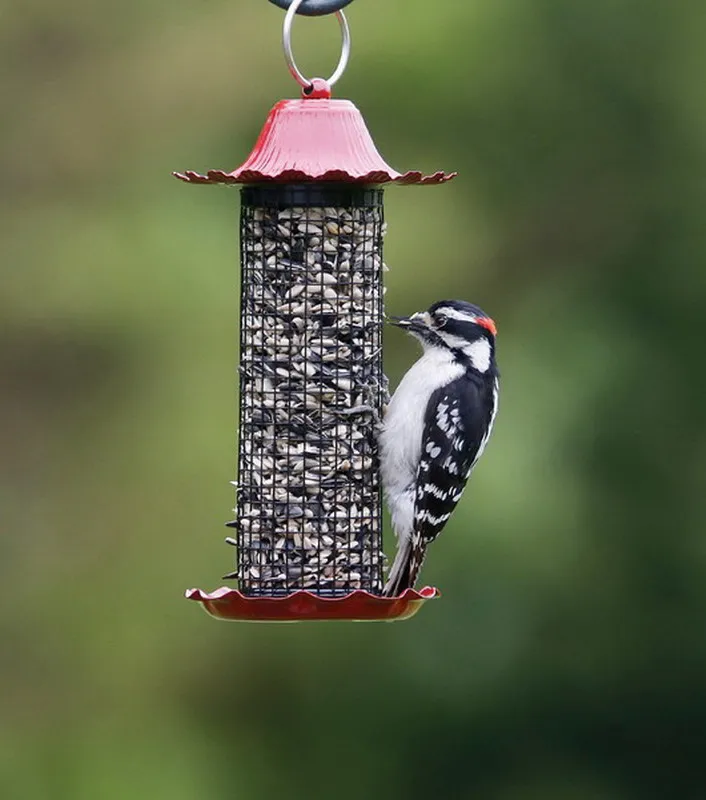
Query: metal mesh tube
(308, 503)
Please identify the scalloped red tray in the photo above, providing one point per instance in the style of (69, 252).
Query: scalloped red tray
(358, 606)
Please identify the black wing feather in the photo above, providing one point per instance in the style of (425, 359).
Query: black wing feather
(456, 422)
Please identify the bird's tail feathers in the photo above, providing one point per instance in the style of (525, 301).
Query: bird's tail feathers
(405, 568)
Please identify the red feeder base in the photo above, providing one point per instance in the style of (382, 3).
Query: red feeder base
(358, 606)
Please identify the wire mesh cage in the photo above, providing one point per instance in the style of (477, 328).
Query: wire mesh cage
(308, 511)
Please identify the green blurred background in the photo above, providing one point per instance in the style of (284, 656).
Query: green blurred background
(567, 658)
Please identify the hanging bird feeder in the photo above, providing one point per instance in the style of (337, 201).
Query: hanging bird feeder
(308, 527)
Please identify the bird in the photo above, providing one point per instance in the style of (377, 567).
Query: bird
(436, 427)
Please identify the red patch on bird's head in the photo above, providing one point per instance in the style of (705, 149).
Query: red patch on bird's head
(488, 324)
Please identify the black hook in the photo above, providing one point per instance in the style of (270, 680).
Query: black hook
(314, 8)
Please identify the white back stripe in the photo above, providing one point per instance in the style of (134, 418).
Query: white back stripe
(477, 352)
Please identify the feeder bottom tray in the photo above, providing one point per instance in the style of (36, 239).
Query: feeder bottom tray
(358, 606)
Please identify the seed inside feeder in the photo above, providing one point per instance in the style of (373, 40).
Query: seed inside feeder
(308, 500)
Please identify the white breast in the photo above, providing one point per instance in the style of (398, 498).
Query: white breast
(401, 436)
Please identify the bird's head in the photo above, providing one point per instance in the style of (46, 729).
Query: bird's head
(457, 327)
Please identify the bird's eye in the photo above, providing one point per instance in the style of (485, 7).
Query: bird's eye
(440, 320)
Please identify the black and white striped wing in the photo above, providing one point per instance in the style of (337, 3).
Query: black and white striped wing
(457, 424)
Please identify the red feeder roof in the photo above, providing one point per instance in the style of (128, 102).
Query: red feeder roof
(315, 139)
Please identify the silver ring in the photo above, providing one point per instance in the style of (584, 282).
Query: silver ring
(305, 83)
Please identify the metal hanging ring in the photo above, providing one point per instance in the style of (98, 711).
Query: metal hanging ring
(305, 83)
(314, 8)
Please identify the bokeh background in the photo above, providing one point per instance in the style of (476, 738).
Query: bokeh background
(567, 658)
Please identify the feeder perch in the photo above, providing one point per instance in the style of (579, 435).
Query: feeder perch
(308, 526)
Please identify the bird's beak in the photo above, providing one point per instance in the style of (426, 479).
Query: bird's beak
(417, 322)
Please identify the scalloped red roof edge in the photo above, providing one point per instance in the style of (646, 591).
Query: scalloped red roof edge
(215, 176)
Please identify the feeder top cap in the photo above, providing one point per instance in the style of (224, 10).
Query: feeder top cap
(315, 139)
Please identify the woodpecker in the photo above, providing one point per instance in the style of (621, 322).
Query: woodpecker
(437, 425)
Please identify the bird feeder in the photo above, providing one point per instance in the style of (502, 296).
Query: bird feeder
(308, 525)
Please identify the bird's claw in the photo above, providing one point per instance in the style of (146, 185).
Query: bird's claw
(373, 394)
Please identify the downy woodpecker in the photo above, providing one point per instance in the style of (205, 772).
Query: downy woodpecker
(436, 427)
